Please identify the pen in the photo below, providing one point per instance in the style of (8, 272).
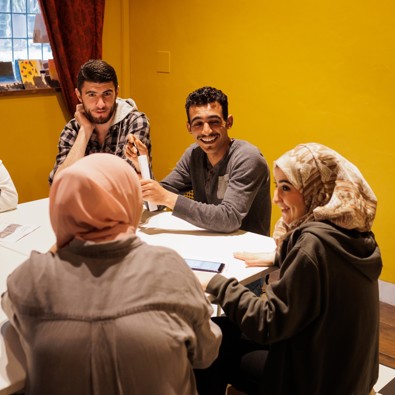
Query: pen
(137, 150)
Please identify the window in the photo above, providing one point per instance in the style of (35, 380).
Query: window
(17, 19)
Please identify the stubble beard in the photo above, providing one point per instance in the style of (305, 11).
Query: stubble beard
(99, 120)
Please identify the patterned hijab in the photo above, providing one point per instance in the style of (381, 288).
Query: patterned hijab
(333, 189)
(98, 198)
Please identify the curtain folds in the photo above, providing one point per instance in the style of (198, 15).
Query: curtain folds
(75, 30)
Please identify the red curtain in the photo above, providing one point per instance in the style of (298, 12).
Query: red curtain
(75, 29)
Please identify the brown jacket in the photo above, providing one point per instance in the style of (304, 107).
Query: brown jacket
(321, 318)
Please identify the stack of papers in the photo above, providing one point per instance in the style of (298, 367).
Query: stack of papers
(13, 232)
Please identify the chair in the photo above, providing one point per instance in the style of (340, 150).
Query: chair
(233, 391)
(189, 194)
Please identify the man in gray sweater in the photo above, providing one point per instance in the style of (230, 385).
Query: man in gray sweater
(229, 178)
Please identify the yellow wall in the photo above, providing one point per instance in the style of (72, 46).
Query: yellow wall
(29, 132)
(294, 71)
(116, 41)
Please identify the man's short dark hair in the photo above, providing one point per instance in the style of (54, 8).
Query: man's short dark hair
(96, 70)
(206, 95)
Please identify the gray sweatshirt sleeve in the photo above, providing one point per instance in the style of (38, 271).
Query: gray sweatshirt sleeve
(209, 337)
(179, 180)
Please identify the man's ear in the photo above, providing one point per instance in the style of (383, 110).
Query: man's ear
(78, 94)
(189, 127)
(229, 121)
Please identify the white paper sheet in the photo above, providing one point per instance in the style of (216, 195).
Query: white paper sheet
(11, 233)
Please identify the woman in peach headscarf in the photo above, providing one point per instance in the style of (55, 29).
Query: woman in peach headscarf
(315, 330)
(107, 313)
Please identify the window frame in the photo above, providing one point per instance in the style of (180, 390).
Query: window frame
(28, 9)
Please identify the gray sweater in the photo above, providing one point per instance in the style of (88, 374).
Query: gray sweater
(113, 318)
(321, 318)
(234, 194)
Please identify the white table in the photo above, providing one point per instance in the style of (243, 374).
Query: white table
(191, 242)
(35, 212)
(12, 372)
(160, 228)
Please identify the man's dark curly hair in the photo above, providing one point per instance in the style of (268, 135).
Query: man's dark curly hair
(96, 70)
(206, 95)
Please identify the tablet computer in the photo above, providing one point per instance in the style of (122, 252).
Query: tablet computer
(206, 266)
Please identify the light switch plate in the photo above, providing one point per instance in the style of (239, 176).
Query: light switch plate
(163, 61)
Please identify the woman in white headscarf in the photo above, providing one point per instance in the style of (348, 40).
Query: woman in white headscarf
(107, 313)
(315, 330)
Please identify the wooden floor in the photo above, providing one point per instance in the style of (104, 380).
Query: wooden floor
(387, 335)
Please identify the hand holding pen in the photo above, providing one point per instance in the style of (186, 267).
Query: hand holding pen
(137, 152)
(133, 149)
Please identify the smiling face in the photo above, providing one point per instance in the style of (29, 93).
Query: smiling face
(210, 130)
(288, 198)
(99, 100)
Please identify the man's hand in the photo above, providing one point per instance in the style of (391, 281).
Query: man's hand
(133, 148)
(77, 151)
(82, 119)
(154, 193)
(256, 258)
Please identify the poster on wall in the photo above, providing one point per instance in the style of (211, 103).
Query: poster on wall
(32, 74)
(51, 75)
(8, 79)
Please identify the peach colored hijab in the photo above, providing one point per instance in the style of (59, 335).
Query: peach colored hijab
(98, 198)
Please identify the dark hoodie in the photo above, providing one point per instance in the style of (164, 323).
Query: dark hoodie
(321, 318)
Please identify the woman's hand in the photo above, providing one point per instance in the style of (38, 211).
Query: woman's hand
(256, 258)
